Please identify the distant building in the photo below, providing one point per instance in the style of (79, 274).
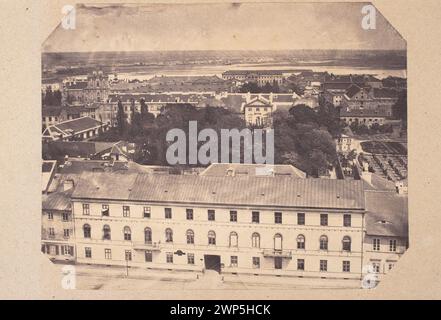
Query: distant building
(261, 77)
(80, 92)
(381, 100)
(52, 115)
(363, 116)
(74, 130)
(344, 144)
(258, 112)
(173, 84)
(119, 151)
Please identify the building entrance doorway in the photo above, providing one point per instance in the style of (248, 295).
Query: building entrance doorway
(212, 262)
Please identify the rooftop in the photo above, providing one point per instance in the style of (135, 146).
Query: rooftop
(236, 169)
(259, 72)
(387, 214)
(84, 149)
(246, 191)
(69, 127)
(57, 201)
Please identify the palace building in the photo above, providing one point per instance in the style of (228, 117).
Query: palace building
(263, 225)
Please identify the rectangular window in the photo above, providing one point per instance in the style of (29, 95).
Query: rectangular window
(190, 258)
(147, 212)
(88, 252)
(148, 256)
(278, 217)
(256, 262)
(346, 220)
(323, 219)
(300, 264)
(376, 244)
(393, 245)
(169, 257)
(278, 262)
(128, 255)
(105, 212)
(51, 232)
(65, 250)
(301, 219)
(53, 250)
(168, 213)
(66, 233)
(233, 261)
(108, 254)
(211, 215)
(255, 217)
(126, 211)
(189, 214)
(323, 265)
(50, 216)
(86, 209)
(233, 216)
(346, 266)
(375, 267)
(65, 216)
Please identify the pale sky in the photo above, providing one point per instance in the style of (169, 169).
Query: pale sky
(251, 26)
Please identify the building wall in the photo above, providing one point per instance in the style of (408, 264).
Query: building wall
(222, 227)
(384, 257)
(258, 115)
(368, 121)
(53, 245)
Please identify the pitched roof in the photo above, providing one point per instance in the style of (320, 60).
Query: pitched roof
(83, 149)
(48, 170)
(387, 214)
(385, 93)
(75, 125)
(336, 85)
(352, 90)
(258, 101)
(198, 189)
(57, 201)
(259, 72)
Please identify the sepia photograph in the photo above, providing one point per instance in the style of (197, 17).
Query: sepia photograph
(224, 146)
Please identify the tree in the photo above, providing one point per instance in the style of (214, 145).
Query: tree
(399, 110)
(121, 118)
(48, 98)
(303, 114)
(251, 87)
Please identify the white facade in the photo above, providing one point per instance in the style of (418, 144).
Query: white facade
(265, 250)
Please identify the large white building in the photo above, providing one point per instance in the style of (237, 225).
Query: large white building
(254, 225)
(230, 218)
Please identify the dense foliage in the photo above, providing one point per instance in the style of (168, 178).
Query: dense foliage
(302, 136)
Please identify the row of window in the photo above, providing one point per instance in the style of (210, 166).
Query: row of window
(211, 215)
(65, 216)
(66, 233)
(56, 249)
(376, 244)
(233, 238)
(234, 260)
